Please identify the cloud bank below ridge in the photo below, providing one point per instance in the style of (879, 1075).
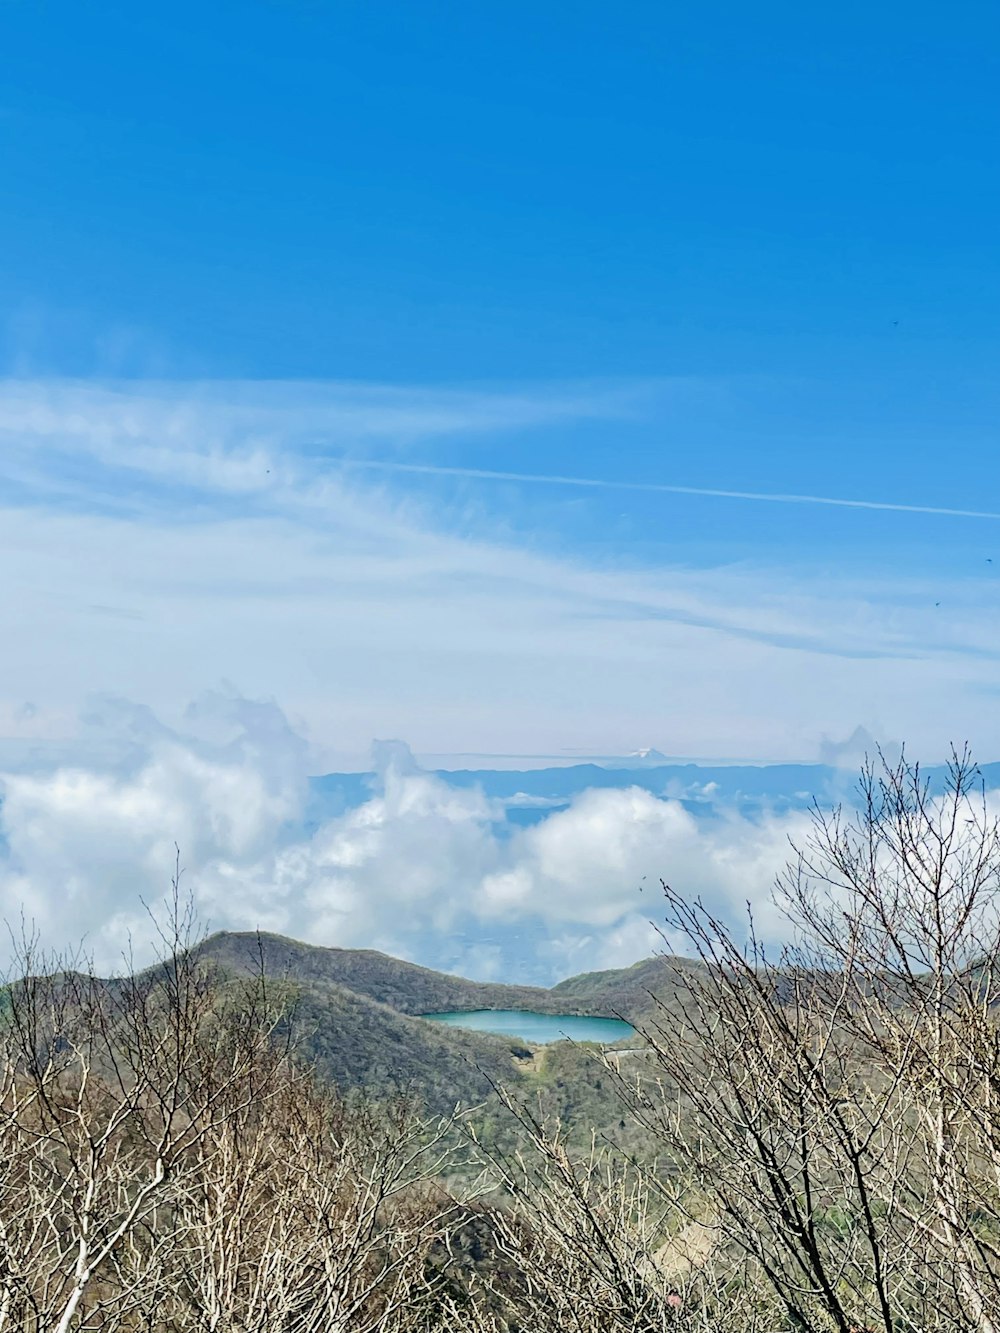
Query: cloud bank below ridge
(421, 868)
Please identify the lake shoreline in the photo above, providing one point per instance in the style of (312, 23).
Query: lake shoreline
(534, 1027)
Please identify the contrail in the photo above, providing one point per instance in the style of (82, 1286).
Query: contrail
(660, 488)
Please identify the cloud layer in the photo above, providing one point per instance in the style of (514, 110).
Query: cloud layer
(421, 868)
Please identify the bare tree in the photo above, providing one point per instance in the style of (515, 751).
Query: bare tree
(578, 1233)
(826, 1122)
(831, 1112)
(106, 1090)
(170, 1165)
(316, 1217)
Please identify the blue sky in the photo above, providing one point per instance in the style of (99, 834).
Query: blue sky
(312, 317)
(720, 247)
(423, 193)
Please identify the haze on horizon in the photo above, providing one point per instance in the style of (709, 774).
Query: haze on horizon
(528, 387)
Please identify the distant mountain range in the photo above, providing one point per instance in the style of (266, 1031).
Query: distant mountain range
(530, 795)
(649, 758)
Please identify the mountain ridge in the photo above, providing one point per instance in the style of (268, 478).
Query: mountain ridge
(411, 989)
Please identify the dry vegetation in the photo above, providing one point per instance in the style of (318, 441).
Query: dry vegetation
(823, 1131)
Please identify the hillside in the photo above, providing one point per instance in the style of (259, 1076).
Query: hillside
(357, 1013)
(626, 992)
(358, 1043)
(357, 1019)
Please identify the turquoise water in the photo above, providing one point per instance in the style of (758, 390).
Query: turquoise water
(539, 1029)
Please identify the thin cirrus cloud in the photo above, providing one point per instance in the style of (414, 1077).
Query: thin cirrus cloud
(216, 433)
(170, 536)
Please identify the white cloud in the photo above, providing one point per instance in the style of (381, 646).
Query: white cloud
(170, 536)
(413, 870)
(587, 865)
(86, 847)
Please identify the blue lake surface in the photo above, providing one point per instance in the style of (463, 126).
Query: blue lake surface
(538, 1029)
